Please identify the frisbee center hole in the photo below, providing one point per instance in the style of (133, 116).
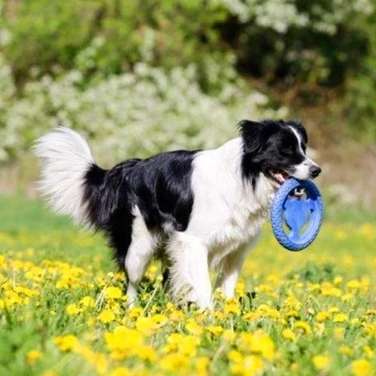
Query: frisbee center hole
(303, 229)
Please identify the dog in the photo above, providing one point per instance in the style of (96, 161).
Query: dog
(196, 210)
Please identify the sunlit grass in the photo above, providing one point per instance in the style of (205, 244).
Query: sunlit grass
(63, 311)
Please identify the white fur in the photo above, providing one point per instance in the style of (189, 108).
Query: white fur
(190, 278)
(139, 255)
(227, 214)
(66, 158)
(302, 171)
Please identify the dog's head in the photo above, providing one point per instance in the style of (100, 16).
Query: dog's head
(277, 149)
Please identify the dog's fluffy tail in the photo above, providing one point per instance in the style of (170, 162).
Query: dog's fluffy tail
(66, 163)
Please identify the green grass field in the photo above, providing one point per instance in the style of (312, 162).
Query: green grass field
(63, 311)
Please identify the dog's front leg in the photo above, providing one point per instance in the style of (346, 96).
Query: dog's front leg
(230, 268)
(190, 270)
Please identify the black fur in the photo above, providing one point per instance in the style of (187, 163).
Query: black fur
(264, 144)
(160, 186)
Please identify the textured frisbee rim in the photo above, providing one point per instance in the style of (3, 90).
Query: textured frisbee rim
(276, 212)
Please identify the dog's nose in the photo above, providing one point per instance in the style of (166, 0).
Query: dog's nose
(314, 171)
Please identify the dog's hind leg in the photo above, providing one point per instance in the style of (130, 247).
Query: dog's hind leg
(138, 257)
(190, 278)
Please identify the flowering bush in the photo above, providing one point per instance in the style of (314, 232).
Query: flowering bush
(133, 114)
(88, 63)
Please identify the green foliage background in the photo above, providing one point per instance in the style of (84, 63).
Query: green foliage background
(224, 51)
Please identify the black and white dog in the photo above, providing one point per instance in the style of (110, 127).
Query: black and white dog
(197, 210)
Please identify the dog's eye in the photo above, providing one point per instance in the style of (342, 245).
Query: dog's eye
(288, 151)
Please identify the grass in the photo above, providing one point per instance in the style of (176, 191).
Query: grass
(63, 311)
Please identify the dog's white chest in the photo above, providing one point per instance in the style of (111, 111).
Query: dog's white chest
(227, 212)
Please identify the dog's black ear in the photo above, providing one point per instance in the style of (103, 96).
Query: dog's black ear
(298, 126)
(255, 134)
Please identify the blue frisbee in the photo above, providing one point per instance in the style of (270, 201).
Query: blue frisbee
(296, 219)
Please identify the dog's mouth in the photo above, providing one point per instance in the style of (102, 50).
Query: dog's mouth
(279, 176)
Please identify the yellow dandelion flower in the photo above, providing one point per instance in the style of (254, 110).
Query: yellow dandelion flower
(66, 343)
(85, 351)
(175, 338)
(292, 304)
(353, 285)
(231, 307)
(106, 316)
(346, 350)
(323, 316)
(215, 330)
(193, 328)
(252, 316)
(303, 326)
(121, 348)
(147, 353)
(235, 356)
(294, 367)
(251, 365)
(33, 356)
(49, 373)
(328, 290)
(340, 317)
(114, 306)
(202, 366)
(365, 283)
(314, 287)
(98, 361)
(264, 288)
(229, 335)
(240, 288)
(361, 367)
(347, 297)
(188, 345)
(219, 315)
(120, 371)
(174, 362)
(87, 302)
(135, 312)
(333, 309)
(113, 293)
(338, 280)
(368, 351)
(367, 230)
(160, 319)
(339, 333)
(370, 329)
(72, 310)
(289, 334)
(177, 316)
(259, 343)
(146, 325)
(292, 313)
(321, 362)
(265, 310)
(340, 235)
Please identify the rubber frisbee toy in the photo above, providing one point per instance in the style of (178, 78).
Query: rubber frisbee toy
(296, 219)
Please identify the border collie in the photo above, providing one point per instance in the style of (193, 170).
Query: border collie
(196, 210)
